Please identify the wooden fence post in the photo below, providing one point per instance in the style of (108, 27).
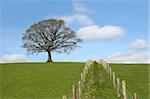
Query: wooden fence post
(118, 87)
(124, 89)
(104, 65)
(77, 92)
(74, 92)
(79, 89)
(82, 77)
(107, 68)
(114, 80)
(64, 97)
(110, 72)
(84, 74)
(135, 95)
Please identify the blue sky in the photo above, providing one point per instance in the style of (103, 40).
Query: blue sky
(119, 28)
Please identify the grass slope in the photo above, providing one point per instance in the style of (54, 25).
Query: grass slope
(52, 80)
(136, 76)
(38, 80)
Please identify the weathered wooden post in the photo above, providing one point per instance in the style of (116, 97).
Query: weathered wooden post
(84, 74)
(79, 89)
(74, 92)
(64, 97)
(124, 89)
(114, 80)
(135, 95)
(107, 67)
(118, 87)
(110, 73)
(82, 79)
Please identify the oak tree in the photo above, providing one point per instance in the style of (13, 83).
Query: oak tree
(51, 35)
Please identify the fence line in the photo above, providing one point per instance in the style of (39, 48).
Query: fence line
(120, 86)
(78, 87)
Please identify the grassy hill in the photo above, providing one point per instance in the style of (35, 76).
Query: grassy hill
(38, 80)
(136, 76)
(52, 80)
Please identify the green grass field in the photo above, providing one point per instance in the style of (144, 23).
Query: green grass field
(136, 76)
(52, 80)
(38, 80)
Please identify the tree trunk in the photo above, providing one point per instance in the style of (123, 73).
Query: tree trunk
(49, 57)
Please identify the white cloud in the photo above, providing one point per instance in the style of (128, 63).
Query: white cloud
(139, 43)
(94, 32)
(80, 14)
(134, 55)
(130, 57)
(80, 7)
(68, 19)
(11, 58)
(89, 30)
(83, 20)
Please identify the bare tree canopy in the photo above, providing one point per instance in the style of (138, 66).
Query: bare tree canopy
(48, 36)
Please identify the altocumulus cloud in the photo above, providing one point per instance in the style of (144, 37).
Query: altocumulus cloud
(89, 30)
(82, 19)
(137, 53)
(80, 14)
(94, 32)
(130, 57)
(13, 58)
(81, 8)
(139, 44)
